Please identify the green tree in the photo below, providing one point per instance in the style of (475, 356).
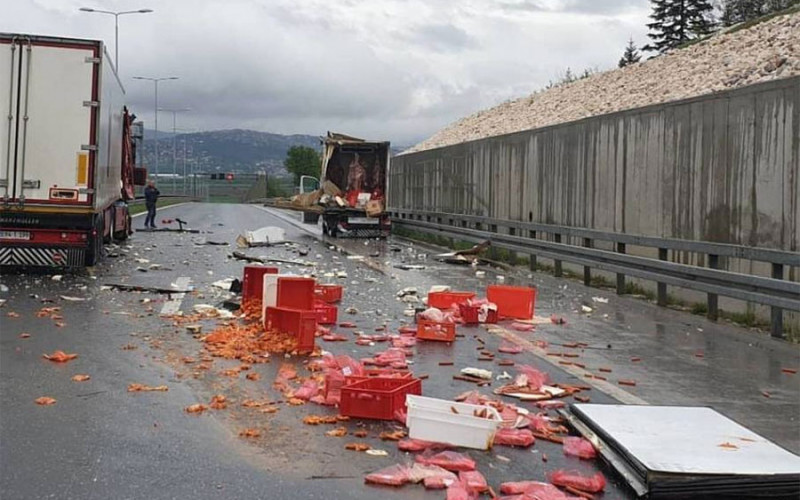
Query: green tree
(677, 21)
(740, 11)
(631, 55)
(302, 160)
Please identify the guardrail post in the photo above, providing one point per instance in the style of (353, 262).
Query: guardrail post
(713, 298)
(493, 250)
(532, 235)
(661, 291)
(512, 231)
(587, 271)
(557, 272)
(776, 313)
(620, 276)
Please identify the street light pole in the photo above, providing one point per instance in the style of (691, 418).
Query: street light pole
(116, 26)
(155, 107)
(174, 112)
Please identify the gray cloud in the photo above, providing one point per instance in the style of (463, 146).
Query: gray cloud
(396, 69)
(442, 37)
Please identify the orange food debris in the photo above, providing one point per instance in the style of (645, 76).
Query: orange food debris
(24, 335)
(252, 403)
(188, 360)
(296, 402)
(195, 408)
(80, 378)
(219, 402)
(635, 359)
(582, 399)
(250, 433)
(247, 341)
(392, 436)
(790, 371)
(60, 357)
(253, 376)
(356, 446)
(44, 400)
(319, 419)
(147, 388)
(728, 445)
(360, 434)
(269, 409)
(231, 372)
(626, 382)
(337, 432)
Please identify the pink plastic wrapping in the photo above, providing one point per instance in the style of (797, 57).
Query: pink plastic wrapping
(533, 490)
(536, 378)
(473, 481)
(414, 445)
(593, 484)
(394, 475)
(579, 447)
(514, 437)
(449, 460)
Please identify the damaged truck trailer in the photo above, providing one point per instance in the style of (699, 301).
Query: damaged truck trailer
(352, 195)
(66, 155)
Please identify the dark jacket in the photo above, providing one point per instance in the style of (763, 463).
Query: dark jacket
(151, 195)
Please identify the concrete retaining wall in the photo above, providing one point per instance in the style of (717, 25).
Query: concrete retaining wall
(721, 168)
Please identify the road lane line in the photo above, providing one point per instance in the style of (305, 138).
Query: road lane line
(173, 305)
(603, 386)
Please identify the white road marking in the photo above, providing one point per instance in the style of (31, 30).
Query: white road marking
(173, 305)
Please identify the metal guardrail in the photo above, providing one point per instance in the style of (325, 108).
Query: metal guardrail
(140, 201)
(775, 292)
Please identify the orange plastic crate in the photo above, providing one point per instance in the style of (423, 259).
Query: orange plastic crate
(253, 282)
(445, 300)
(469, 314)
(326, 314)
(432, 330)
(302, 324)
(329, 293)
(296, 293)
(512, 301)
(377, 398)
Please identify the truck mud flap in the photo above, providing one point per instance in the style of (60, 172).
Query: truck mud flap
(42, 256)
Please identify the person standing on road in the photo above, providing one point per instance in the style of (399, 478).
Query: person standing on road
(150, 198)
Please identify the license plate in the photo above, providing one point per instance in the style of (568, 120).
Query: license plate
(15, 235)
(362, 220)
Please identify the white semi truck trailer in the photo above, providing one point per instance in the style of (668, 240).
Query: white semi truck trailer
(66, 155)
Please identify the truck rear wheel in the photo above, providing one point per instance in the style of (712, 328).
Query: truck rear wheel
(96, 249)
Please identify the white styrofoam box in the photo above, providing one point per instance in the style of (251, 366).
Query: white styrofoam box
(433, 419)
(270, 296)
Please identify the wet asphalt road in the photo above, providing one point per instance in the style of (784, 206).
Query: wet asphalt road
(99, 441)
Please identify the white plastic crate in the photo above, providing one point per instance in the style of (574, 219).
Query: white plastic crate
(433, 419)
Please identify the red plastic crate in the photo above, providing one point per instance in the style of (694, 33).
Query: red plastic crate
(253, 282)
(445, 300)
(432, 330)
(378, 373)
(334, 384)
(512, 301)
(301, 324)
(326, 314)
(329, 293)
(296, 293)
(469, 314)
(377, 398)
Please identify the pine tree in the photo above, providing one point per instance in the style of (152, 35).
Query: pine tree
(631, 55)
(676, 22)
(740, 11)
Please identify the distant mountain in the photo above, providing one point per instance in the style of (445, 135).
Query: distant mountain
(238, 151)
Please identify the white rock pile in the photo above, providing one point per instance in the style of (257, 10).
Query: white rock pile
(767, 51)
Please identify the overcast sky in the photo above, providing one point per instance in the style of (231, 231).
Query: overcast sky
(381, 69)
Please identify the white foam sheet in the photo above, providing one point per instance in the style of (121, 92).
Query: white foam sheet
(686, 440)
